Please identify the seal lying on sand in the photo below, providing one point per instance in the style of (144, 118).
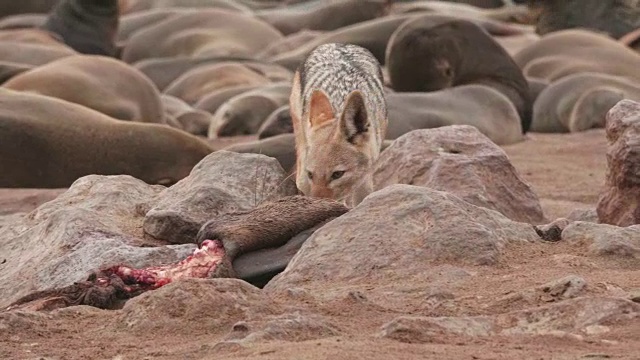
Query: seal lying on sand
(10, 69)
(373, 35)
(580, 102)
(434, 52)
(323, 15)
(195, 84)
(213, 100)
(31, 36)
(222, 242)
(631, 39)
(278, 122)
(210, 32)
(499, 121)
(50, 143)
(26, 7)
(243, 114)
(612, 17)
(88, 26)
(101, 83)
(191, 120)
(32, 54)
(568, 52)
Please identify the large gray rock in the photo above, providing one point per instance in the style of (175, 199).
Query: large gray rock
(603, 239)
(620, 202)
(460, 160)
(401, 232)
(96, 223)
(223, 182)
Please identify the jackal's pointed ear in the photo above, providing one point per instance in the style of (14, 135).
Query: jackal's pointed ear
(320, 109)
(355, 120)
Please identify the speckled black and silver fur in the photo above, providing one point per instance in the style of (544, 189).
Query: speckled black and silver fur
(350, 78)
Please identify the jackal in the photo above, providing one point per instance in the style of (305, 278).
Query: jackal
(339, 115)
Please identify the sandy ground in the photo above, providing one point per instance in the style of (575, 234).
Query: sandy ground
(566, 171)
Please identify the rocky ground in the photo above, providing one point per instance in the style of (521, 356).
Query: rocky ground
(524, 299)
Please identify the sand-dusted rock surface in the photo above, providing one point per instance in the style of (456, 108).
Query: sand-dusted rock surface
(604, 239)
(620, 202)
(400, 232)
(461, 160)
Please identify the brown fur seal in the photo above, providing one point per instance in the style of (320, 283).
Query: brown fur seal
(213, 100)
(101, 83)
(87, 26)
(323, 15)
(493, 114)
(10, 69)
(26, 7)
(32, 54)
(580, 102)
(31, 36)
(278, 122)
(612, 17)
(289, 43)
(373, 35)
(434, 52)
(244, 113)
(49, 143)
(136, 21)
(568, 52)
(280, 147)
(191, 120)
(23, 21)
(134, 6)
(194, 84)
(210, 32)
(164, 71)
(631, 39)
(536, 86)
(464, 9)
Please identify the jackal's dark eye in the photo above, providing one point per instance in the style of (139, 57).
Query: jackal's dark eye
(337, 175)
(310, 175)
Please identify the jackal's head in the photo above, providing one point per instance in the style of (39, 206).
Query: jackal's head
(339, 155)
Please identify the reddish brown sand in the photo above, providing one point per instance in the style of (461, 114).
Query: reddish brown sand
(566, 171)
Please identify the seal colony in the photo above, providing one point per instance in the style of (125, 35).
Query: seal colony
(179, 127)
